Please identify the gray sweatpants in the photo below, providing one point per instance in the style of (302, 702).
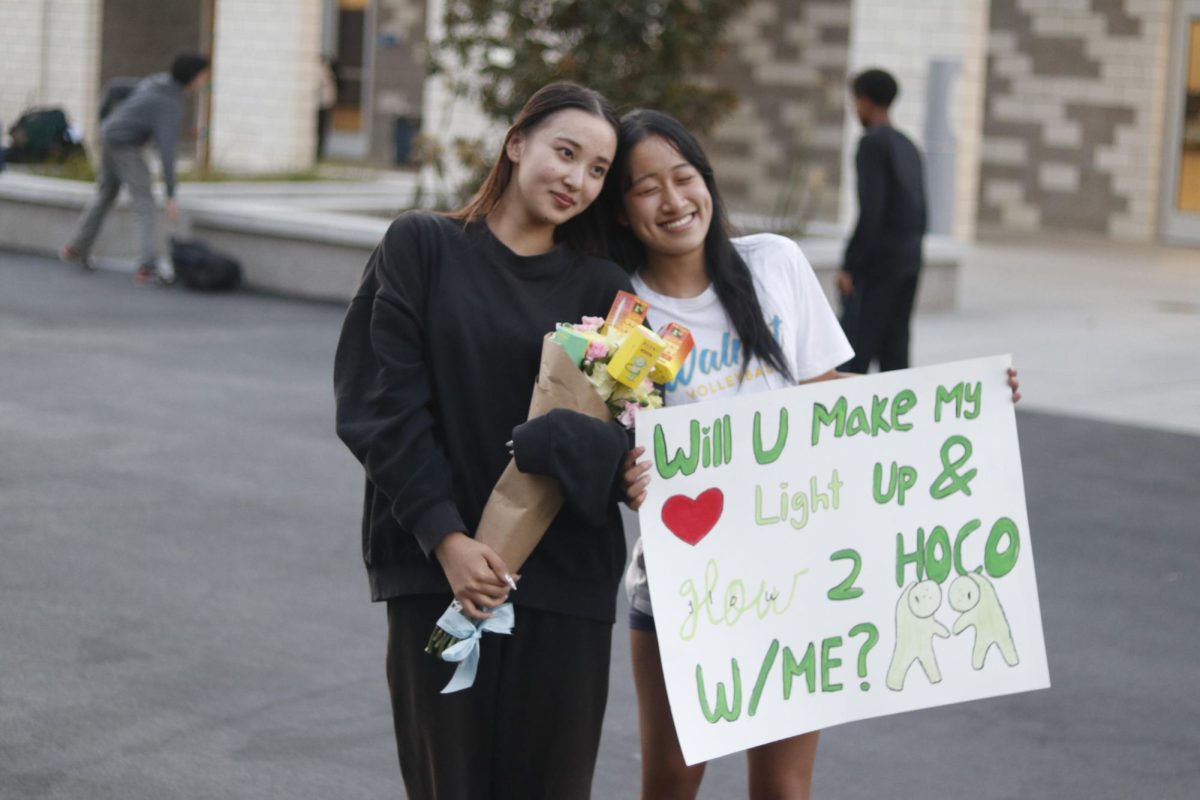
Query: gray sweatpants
(121, 165)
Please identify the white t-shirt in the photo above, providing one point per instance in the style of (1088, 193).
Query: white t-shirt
(793, 305)
(799, 317)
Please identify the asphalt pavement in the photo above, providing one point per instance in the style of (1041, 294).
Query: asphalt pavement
(184, 612)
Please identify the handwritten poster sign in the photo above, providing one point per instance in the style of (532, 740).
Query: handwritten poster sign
(837, 551)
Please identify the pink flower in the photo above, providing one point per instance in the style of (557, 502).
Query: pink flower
(590, 324)
(596, 349)
(629, 415)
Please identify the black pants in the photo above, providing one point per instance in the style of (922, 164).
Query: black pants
(323, 115)
(529, 729)
(877, 320)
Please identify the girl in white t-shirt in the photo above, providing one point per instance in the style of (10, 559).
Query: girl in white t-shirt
(760, 321)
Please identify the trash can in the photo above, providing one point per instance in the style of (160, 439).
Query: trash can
(406, 132)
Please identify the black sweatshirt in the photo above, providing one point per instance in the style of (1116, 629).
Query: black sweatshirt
(434, 370)
(886, 242)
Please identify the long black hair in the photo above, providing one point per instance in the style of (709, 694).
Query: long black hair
(583, 232)
(728, 273)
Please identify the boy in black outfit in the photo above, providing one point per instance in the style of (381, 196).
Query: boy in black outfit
(878, 280)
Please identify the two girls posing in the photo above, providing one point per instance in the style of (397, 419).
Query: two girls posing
(433, 375)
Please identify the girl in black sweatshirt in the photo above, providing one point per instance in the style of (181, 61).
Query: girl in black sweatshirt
(433, 375)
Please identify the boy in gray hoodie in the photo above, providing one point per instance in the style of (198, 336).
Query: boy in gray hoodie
(151, 112)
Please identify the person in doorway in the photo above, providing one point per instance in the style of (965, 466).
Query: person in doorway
(878, 279)
(151, 112)
(327, 93)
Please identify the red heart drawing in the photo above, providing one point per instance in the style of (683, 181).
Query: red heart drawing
(691, 520)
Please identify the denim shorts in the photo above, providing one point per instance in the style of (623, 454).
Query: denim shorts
(637, 590)
(639, 621)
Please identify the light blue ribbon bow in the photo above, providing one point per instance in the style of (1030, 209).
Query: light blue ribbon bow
(466, 652)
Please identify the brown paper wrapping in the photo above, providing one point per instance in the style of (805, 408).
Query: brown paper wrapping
(522, 506)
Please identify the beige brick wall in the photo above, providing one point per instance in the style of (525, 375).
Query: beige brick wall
(20, 41)
(50, 57)
(265, 79)
(1074, 116)
(786, 60)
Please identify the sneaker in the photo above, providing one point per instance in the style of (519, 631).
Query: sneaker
(72, 256)
(146, 275)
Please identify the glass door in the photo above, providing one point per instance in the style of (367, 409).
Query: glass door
(1181, 184)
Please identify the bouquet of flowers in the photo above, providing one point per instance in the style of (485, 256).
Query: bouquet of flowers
(606, 368)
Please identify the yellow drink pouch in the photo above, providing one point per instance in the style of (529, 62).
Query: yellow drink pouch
(628, 312)
(679, 344)
(635, 359)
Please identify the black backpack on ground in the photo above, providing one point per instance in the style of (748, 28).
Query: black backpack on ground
(41, 135)
(198, 266)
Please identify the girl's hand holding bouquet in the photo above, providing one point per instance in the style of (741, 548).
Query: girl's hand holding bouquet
(604, 368)
(475, 572)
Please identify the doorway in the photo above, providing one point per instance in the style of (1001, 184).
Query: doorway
(347, 42)
(1181, 183)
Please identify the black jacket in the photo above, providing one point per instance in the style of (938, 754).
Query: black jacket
(434, 371)
(886, 242)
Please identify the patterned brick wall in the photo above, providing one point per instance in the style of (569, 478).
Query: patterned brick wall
(1073, 117)
(787, 61)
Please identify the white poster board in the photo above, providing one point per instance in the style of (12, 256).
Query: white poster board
(837, 551)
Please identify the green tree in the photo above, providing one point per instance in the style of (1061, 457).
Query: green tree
(639, 53)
